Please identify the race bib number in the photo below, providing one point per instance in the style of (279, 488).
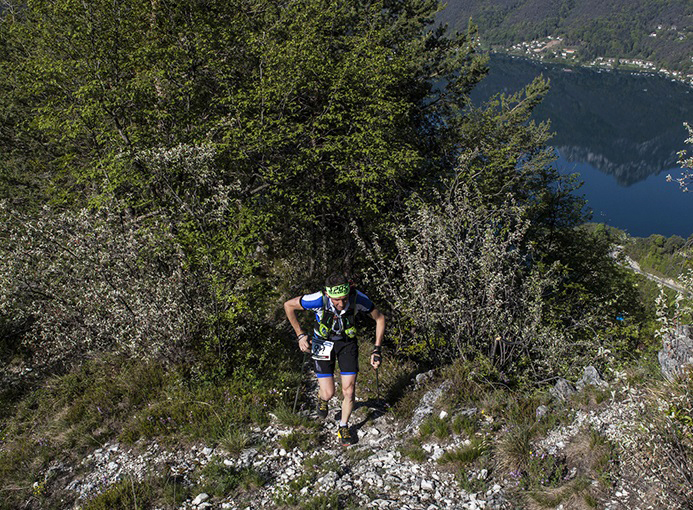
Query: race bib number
(322, 349)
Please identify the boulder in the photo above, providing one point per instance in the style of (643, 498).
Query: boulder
(423, 378)
(590, 377)
(676, 353)
(562, 390)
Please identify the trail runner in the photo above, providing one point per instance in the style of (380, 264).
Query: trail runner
(334, 340)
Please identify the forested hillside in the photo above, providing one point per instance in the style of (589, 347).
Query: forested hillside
(172, 172)
(654, 30)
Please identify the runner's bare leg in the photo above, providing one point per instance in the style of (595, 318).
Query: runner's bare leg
(325, 388)
(348, 391)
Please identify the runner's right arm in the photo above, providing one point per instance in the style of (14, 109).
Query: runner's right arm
(290, 308)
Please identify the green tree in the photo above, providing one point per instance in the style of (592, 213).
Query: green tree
(323, 112)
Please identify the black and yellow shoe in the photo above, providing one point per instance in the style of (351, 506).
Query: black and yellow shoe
(344, 436)
(322, 408)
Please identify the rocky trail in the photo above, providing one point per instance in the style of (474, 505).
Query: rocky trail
(371, 473)
(374, 472)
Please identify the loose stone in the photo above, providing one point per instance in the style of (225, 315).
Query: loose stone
(202, 497)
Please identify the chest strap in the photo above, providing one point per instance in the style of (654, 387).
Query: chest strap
(328, 318)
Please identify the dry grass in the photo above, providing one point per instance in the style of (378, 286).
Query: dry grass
(573, 496)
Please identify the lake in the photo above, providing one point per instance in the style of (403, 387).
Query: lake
(620, 131)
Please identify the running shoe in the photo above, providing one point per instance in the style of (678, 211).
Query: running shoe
(322, 408)
(344, 436)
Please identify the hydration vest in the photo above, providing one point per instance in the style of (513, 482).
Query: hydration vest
(323, 329)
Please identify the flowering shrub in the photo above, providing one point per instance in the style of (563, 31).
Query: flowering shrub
(96, 281)
(464, 280)
(187, 183)
(686, 164)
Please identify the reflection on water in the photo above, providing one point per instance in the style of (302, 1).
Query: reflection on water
(628, 126)
(621, 132)
(650, 206)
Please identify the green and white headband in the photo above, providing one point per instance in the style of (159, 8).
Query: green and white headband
(338, 291)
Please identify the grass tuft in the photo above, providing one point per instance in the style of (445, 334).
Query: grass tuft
(413, 450)
(433, 425)
(221, 480)
(514, 448)
(304, 441)
(465, 454)
(468, 425)
(235, 440)
(286, 416)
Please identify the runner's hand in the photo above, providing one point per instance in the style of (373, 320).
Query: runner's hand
(375, 360)
(304, 344)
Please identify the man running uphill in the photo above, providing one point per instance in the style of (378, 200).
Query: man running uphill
(334, 340)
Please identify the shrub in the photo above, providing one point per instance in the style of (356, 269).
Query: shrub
(464, 277)
(96, 281)
(671, 315)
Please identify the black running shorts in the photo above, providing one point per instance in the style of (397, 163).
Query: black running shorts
(344, 352)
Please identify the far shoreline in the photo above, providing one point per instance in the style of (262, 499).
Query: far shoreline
(623, 68)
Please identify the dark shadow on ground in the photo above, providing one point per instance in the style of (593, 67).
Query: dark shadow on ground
(377, 408)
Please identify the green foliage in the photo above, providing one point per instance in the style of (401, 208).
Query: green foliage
(252, 146)
(596, 301)
(296, 98)
(667, 257)
(459, 277)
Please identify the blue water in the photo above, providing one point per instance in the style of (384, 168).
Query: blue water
(650, 206)
(620, 131)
